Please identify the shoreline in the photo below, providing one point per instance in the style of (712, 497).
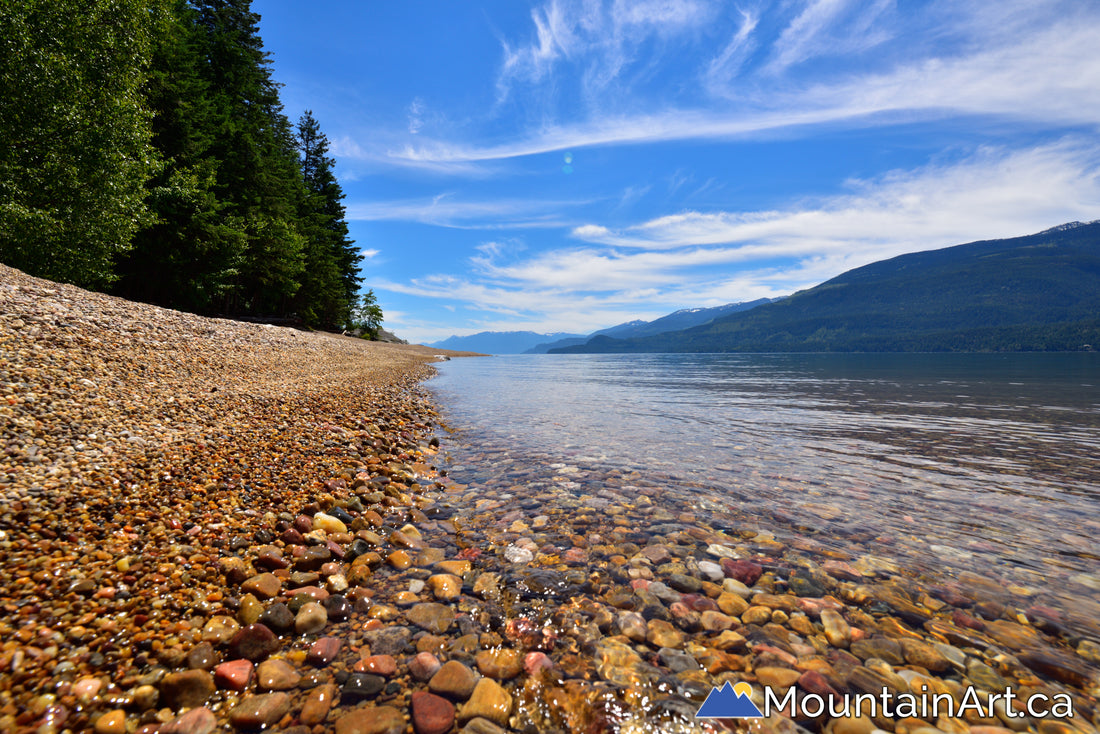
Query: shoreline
(282, 552)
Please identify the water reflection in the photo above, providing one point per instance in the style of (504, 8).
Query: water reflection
(944, 463)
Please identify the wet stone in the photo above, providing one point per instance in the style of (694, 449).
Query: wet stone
(882, 648)
(383, 665)
(330, 523)
(220, 630)
(303, 578)
(745, 571)
(250, 610)
(924, 655)
(482, 726)
(502, 664)
(202, 657)
(187, 689)
(445, 586)
(371, 720)
(488, 701)
(360, 687)
(516, 554)
(756, 615)
(533, 662)
(453, 680)
(633, 625)
(323, 651)
(317, 705)
(112, 722)
(196, 721)
(776, 677)
(423, 666)
(313, 558)
(431, 616)
(431, 714)
(456, 568)
(984, 677)
(271, 558)
(276, 675)
(337, 606)
(311, 618)
(261, 711)
(278, 617)
(677, 661)
(254, 642)
(263, 586)
(837, 631)
(234, 675)
(716, 621)
(684, 583)
(660, 633)
(399, 559)
(803, 585)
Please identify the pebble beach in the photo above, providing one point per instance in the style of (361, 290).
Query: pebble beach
(208, 525)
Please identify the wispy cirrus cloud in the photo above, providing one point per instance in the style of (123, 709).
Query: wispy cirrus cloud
(710, 258)
(1041, 70)
(601, 40)
(448, 210)
(830, 28)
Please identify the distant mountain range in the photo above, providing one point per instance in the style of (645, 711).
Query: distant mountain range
(501, 342)
(1035, 293)
(528, 342)
(682, 319)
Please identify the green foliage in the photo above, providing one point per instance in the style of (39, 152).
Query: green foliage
(1035, 293)
(143, 146)
(257, 173)
(367, 316)
(331, 279)
(75, 148)
(191, 257)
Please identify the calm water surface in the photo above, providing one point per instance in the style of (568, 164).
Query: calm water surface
(943, 464)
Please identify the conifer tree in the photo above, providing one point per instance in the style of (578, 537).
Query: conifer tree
(190, 258)
(257, 173)
(331, 279)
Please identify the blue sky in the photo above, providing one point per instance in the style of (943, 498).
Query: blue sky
(566, 166)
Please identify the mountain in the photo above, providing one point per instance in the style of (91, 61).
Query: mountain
(499, 342)
(682, 319)
(1035, 293)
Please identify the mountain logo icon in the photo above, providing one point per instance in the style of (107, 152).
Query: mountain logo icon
(729, 702)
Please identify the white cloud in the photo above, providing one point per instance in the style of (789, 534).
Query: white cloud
(416, 116)
(1045, 73)
(601, 39)
(447, 210)
(709, 258)
(990, 195)
(368, 254)
(830, 28)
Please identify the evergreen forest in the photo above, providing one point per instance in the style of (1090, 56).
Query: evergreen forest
(144, 151)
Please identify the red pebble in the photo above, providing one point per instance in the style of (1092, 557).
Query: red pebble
(815, 683)
(431, 714)
(234, 675)
(323, 651)
(962, 619)
(377, 664)
(536, 661)
(741, 569)
(424, 665)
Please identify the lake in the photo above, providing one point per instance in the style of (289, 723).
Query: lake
(950, 467)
